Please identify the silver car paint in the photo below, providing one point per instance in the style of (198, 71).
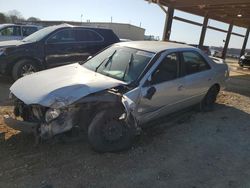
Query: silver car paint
(169, 97)
(179, 93)
(61, 86)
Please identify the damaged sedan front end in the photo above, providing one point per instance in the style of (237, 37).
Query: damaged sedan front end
(71, 97)
(115, 92)
(46, 122)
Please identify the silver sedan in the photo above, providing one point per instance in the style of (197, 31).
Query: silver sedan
(114, 93)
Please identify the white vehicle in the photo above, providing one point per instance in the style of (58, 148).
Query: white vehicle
(116, 92)
(16, 32)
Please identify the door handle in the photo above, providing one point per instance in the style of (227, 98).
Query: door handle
(180, 87)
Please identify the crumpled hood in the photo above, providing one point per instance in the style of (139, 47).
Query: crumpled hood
(61, 86)
(10, 43)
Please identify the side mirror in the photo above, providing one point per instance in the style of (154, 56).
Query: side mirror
(89, 57)
(150, 92)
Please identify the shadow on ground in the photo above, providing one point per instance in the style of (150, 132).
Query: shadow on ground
(191, 150)
(239, 84)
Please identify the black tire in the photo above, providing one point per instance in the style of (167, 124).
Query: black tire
(107, 133)
(207, 103)
(23, 67)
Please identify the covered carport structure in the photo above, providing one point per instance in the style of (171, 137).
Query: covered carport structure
(232, 12)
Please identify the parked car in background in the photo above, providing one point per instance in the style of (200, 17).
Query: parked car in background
(245, 60)
(217, 54)
(116, 92)
(205, 49)
(16, 32)
(52, 46)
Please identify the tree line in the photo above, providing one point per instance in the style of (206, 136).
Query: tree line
(14, 16)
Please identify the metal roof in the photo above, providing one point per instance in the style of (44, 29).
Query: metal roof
(236, 12)
(153, 46)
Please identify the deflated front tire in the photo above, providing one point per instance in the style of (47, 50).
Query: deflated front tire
(107, 133)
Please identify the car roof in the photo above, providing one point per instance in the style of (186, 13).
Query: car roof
(10, 24)
(65, 25)
(154, 46)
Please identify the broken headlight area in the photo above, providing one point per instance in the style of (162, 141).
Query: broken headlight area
(52, 114)
(50, 121)
(57, 121)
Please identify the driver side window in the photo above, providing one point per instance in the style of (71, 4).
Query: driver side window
(167, 70)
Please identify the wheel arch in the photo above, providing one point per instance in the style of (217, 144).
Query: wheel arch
(11, 65)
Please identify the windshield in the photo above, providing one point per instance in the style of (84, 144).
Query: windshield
(122, 63)
(40, 34)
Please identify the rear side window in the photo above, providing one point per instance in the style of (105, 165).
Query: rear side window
(63, 36)
(28, 30)
(11, 31)
(193, 63)
(86, 35)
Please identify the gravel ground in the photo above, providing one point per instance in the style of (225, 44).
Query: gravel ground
(190, 150)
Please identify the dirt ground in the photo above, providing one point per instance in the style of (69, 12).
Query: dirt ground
(191, 150)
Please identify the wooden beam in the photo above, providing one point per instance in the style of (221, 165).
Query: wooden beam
(197, 3)
(207, 27)
(215, 7)
(203, 31)
(187, 21)
(168, 24)
(245, 43)
(224, 52)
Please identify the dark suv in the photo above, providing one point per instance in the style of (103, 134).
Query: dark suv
(52, 46)
(245, 60)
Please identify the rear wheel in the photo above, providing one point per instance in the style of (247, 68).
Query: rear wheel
(24, 67)
(107, 133)
(208, 101)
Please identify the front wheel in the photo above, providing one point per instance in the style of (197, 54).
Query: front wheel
(208, 101)
(107, 133)
(24, 67)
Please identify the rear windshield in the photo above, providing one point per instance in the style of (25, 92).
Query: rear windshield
(39, 35)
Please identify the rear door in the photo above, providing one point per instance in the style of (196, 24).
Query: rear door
(89, 42)
(61, 48)
(166, 88)
(198, 76)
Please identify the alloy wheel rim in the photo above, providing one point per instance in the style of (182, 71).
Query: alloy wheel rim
(27, 69)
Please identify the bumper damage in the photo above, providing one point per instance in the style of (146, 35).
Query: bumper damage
(45, 125)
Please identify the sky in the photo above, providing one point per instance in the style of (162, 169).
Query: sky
(135, 12)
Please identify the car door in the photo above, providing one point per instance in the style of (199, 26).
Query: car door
(198, 76)
(89, 42)
(10, 33)
(60, 48)
(163, 93)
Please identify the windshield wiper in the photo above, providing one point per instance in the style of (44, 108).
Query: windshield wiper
(128, 66)
(108, 60)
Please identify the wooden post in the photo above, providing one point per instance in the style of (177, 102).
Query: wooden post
(224, 52)
(168, 24)
(203, 31)
(245, 43)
